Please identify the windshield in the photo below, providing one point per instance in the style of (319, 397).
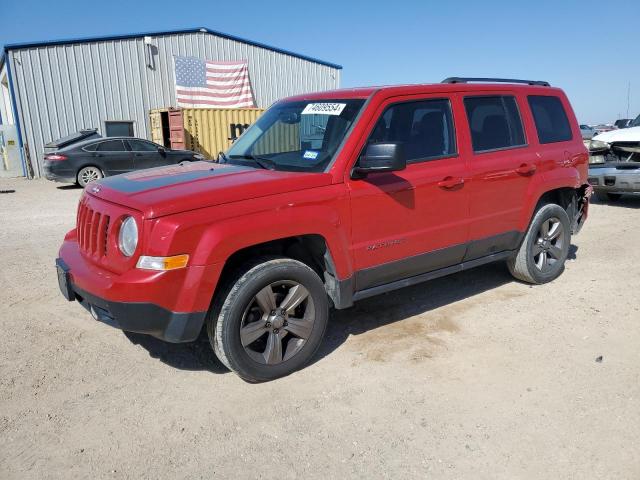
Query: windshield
(636, 122)
(296, 136)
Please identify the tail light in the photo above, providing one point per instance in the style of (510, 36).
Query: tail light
(55, 157)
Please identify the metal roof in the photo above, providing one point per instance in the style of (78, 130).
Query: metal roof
(16, 46)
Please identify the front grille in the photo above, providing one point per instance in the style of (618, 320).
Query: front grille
(93, 228)
(593, 181)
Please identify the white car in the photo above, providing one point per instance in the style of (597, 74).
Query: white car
(621, 145)
(614, 159)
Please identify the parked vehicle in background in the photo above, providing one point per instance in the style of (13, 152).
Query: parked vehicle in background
(587, 132)
(623, 123)
(86, 157)
(329, 198)
(601, 128)
(614, 162)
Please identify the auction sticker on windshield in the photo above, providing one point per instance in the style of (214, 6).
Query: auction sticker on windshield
(324, 108)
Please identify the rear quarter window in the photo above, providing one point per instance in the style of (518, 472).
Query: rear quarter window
(550, 118)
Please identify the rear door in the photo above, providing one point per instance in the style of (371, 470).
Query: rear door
(146, 154)
(501, 166)
(558, 145)
(112, 157)
(412, 221)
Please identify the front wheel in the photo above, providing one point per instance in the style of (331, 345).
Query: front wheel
(545, 247)
(270, 320)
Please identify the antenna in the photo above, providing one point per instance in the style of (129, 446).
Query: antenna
(628, 97)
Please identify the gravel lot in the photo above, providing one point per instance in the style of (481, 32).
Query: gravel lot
(472, 376)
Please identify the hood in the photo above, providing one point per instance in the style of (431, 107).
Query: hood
(157, 192)
(623, 135)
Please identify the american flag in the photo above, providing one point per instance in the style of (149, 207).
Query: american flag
(206, 84)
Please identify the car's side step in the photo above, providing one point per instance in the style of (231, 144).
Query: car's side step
(406, 282)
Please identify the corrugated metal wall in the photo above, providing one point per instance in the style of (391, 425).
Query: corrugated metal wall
(63, 88)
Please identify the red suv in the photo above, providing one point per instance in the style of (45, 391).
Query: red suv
(327, 199)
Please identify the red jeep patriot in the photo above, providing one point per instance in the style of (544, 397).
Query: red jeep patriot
(327, 199)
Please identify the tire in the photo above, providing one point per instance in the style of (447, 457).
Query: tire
(541, 257)
(88, 174)
(270, 346)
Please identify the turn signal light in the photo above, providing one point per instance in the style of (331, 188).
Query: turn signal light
(162, 263)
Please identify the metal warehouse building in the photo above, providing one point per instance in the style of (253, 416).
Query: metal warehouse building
(51, 89)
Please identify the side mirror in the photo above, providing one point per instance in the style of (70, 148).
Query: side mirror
(380, 157)
(162, 150)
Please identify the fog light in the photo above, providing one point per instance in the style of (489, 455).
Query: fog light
(162, 263)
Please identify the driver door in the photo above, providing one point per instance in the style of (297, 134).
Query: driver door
(409, 222)
(146, 154)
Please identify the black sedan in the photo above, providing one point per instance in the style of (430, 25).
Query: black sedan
(91, 159)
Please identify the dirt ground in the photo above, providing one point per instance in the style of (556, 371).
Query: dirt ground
(472, 376)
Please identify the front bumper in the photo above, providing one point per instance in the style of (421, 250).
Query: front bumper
(622, 177)
(171, 306)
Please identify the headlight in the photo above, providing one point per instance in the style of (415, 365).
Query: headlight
(128, 236)
(598, 146)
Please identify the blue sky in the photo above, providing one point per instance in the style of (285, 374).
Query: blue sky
(590, 49)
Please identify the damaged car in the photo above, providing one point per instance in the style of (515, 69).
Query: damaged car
(614, 162)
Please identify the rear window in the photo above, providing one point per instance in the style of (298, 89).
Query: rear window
(111, 146)
(495, 122)
(551, 120)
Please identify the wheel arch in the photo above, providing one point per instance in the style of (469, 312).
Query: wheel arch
(568, 197)
(311, 249)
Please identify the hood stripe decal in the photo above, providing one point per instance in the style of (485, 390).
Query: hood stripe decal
(136, 182)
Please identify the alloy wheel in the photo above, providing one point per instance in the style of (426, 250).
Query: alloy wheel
(90, 174)
(277, 322)
(548, 247)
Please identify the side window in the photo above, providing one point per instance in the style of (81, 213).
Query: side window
(90, 148)
(425, 129)
(550, 118)
(111, 146)
(495, 122)
(142, 146)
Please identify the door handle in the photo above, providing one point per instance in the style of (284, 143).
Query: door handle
(450, 182)
(526, 169)
(138, 154)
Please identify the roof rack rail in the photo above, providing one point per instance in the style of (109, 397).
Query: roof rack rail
(495, 80)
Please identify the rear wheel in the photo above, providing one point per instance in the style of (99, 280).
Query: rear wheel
(545, 247)
(88, 174)
(270, 319)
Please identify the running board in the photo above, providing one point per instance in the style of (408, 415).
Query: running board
(406, 282)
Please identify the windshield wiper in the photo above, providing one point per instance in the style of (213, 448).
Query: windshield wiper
(260, 161)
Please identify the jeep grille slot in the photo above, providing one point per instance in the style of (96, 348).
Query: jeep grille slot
(92, 230)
